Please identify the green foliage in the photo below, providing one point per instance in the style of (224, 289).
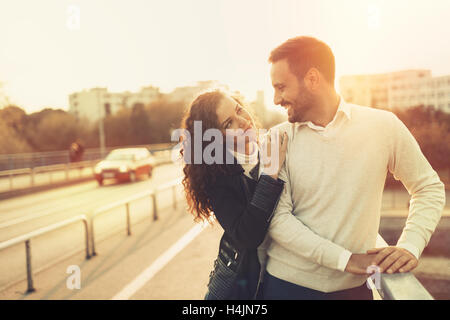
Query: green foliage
(431, 128)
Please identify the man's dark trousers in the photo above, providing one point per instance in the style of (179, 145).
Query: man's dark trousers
(277, 289)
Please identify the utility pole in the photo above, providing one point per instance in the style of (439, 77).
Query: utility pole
(101, 127)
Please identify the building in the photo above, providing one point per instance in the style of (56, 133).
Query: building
(98, 102)
(401, 89)
(188, 93)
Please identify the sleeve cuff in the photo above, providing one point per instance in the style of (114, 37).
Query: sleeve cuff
(411, 248)
(343, 260)
(267, 193)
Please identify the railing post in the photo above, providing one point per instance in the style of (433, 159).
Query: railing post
(67, 171)
(32, 177)
(10, 182)
(29, 270)
(86, 228)
(50, 176)
(92, 236)
(127, 205)
(155, 209)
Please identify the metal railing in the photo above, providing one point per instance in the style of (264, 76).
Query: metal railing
(27, 239)
(34, 159)
(89, 233)
(162, 156)
(126, 202)
(50, 170)
(398, 286)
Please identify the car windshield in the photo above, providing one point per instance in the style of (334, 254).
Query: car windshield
(120, 156)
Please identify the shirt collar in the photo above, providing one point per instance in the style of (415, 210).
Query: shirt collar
(343, 107)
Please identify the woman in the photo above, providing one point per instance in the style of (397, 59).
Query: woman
(242, 202)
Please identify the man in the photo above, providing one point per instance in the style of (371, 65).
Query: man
(325, 226)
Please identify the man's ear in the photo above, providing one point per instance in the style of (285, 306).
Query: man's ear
(312, 79)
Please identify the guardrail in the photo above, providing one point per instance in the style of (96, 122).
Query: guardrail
(398, 286)
(162, 156)
(126, 202)
(46, 169)
(27, 239)
(34, 159)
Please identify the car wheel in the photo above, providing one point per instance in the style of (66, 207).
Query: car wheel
(132, 176)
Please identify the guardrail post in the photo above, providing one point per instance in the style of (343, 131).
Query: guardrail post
(127, 205)
(67, 171)
(29, 270)
(86, 228)
(32, 177)
(155, 209)
(93, 237)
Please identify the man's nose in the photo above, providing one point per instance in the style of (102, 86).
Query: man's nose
(277, 99)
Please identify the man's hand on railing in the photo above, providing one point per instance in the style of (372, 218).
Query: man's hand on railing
(392, 259)
(359, 263)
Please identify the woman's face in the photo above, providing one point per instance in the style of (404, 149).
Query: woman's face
(235, 122)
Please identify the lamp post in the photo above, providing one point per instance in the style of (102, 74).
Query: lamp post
(101, 127)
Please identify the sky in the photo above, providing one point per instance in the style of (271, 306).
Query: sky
(51, 48)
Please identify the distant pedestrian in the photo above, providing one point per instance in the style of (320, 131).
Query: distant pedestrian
(76, 151)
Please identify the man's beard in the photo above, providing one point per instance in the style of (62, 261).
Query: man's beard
(300, 107)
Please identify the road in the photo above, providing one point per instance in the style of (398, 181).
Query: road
(24, 214)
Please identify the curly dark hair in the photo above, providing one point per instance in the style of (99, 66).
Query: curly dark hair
(198, 178)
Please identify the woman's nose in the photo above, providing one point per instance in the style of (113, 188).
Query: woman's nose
(244, 123)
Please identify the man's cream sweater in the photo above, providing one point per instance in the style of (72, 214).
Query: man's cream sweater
(334, 183)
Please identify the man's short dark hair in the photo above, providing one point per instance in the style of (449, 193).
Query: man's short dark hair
(303, 53)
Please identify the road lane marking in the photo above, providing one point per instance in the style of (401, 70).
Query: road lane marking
(158, 264)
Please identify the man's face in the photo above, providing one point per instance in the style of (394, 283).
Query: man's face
(290, 93)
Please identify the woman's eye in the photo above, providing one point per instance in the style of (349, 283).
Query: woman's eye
(228, 125)
(239, 110)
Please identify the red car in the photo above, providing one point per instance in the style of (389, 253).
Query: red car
(125, 165)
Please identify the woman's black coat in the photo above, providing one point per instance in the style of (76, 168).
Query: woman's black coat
(245, 217)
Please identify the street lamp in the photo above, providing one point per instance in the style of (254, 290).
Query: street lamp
(101, 127)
